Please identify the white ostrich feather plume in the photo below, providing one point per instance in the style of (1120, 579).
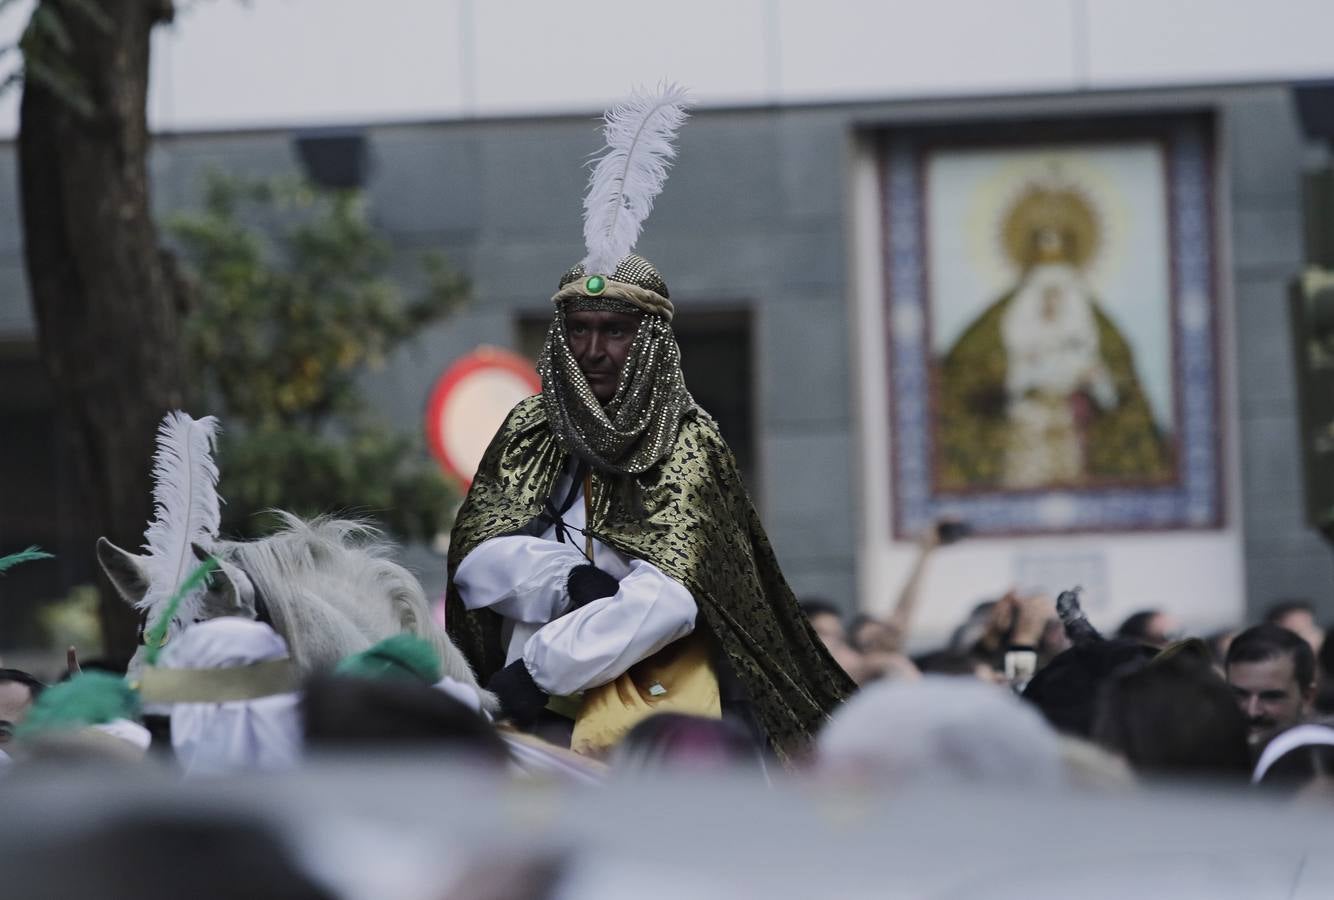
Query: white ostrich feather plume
(186, 506)
(631, 173)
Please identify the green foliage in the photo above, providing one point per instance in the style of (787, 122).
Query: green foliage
(71, 621)
(294, 306)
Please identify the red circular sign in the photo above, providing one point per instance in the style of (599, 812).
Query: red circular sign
(470, 401)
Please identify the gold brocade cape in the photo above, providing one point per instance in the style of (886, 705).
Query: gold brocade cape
(697, 524)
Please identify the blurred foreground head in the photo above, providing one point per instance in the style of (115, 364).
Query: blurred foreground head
(144, 856)
(399, 714)
(1066, 690)
(1173, 717)
(940, 728)
(669, 742)
(1299, 762)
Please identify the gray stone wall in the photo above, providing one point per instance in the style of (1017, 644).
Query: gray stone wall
(1284, 557)
(754, 217)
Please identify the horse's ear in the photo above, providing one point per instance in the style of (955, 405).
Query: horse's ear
(124, 569)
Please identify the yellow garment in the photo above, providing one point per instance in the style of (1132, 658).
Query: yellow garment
(678, 678)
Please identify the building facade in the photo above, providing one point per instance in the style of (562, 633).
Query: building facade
(771, 234)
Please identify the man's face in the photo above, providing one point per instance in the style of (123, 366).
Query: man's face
(600, 342)
(15, 700)
(1268, 693)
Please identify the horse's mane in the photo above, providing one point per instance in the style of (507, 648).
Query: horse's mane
(325, 581)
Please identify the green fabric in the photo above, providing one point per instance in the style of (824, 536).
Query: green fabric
(1124, 444)
(400, 656)
(90, 698)
(691, 517)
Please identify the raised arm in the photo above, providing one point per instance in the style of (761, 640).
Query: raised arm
(900, 618)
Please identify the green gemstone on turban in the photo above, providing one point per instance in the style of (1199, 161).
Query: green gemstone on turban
(596, 284)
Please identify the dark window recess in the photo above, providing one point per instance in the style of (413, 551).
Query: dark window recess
(335, 158)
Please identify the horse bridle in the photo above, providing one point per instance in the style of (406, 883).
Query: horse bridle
(262, 613)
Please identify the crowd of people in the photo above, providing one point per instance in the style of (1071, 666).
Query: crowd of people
(1019, 691)
(1253, 703)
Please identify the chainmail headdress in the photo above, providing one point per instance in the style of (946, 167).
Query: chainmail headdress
(638, 426)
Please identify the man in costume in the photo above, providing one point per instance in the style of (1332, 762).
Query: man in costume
(607, 562)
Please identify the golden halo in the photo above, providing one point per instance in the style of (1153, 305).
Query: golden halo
(1051, 224)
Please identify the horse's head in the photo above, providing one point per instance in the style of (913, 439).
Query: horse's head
(229, 593)
(326, 585)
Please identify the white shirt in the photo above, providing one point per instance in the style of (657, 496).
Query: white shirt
(524, 580)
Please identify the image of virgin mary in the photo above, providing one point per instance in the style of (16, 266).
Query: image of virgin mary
(1040, 390)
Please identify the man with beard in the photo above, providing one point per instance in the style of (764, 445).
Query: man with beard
(1272, 675)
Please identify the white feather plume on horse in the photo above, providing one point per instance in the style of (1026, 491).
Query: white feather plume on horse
(327, 585)
(186, 507)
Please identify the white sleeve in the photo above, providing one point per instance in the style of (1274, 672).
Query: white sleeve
(597, 642)
(522, 578)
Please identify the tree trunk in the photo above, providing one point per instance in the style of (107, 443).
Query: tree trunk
(103, 291)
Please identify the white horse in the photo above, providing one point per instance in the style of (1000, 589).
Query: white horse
(326, 585)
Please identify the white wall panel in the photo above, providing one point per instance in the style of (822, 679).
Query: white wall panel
(584, 55)
(1146, 42)
(284, 62)
(228, 64)
(856, 49)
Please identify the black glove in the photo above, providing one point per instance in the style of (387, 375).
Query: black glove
(521, 699)
(588, 583)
